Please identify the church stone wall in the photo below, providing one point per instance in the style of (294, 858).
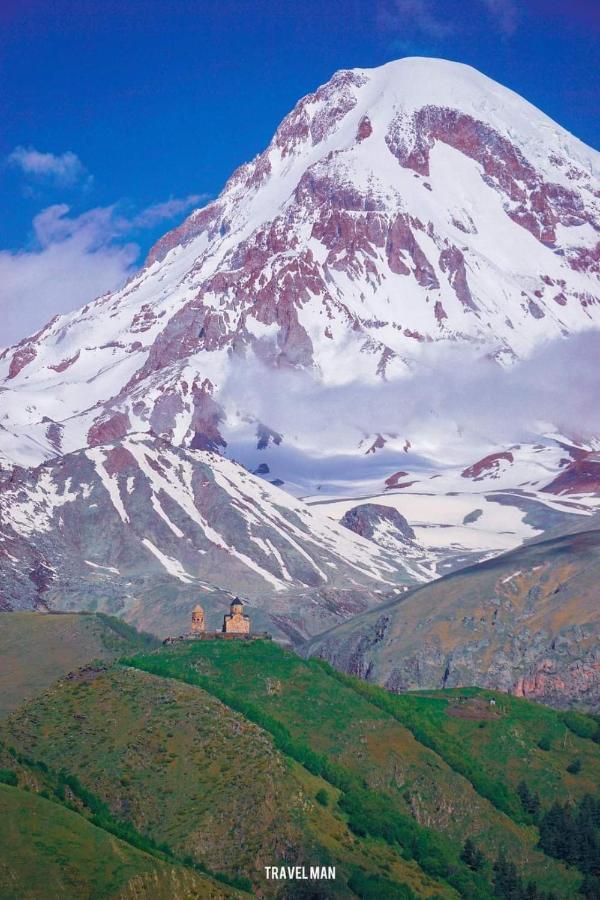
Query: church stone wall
(236, 623)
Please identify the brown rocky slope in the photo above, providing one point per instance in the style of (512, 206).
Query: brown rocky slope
(526, 622)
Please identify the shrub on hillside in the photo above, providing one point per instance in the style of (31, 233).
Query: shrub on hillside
(529, 801)
(7, 776)
(581, 725)
(472, 856)
(322, 797)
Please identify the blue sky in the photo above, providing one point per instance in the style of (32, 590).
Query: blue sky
(118, 117)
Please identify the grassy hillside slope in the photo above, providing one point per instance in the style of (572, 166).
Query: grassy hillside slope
(37, 648)
(500, 740)
(197, 777)
(49, 851)
(391, 756)
(236, 755)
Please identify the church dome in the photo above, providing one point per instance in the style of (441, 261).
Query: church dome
(197, 609)
(237, 604)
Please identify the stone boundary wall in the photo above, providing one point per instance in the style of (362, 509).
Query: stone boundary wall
(221, 636)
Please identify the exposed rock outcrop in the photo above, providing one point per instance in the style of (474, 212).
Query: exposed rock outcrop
(527, 623)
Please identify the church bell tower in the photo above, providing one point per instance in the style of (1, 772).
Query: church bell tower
(198, 623)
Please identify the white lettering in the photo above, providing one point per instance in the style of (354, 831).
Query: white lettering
(299, 873)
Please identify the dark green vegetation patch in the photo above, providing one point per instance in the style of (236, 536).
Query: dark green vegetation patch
(217, 759)
(409, 772)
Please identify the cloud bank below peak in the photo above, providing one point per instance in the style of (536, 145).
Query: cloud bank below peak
(453, 396)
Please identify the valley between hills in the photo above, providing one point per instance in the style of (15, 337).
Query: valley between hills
(358, 388)
(183, 770)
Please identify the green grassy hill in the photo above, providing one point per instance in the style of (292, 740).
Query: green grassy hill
(47, 850)
(197, 777)
(237, 755)
(37, 648)
(500, 741)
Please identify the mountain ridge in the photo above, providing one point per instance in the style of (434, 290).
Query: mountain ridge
(332, 220)
(404, 223)
(525, 622)
(389, 786)
(142, 529)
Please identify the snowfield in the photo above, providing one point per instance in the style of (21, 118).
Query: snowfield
(404, 224)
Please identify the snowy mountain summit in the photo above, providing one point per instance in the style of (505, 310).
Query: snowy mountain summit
(395, 208)
(401, 212)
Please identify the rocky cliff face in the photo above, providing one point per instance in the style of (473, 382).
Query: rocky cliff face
(143, 530)
(379, 523)
(415, 206)
(526, 622)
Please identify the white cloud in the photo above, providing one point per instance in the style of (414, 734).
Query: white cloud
(64, 170)
(453, 395)
(72, 260)
(168, 209)
(75, 262)
(95, 227)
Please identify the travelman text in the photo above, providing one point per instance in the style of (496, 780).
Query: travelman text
(299, 873)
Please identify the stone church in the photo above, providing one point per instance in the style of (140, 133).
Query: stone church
(234, 622)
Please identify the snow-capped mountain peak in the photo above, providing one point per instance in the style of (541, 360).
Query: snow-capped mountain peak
(398, 207)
